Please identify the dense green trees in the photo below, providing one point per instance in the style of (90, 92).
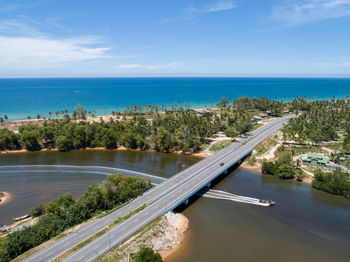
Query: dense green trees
(29, 137)
(320, 121)
(146, 254)
(37, 210)
(282, 168)
(64, 143)
(178, 129)
(346, 143)
(64, 212)
(9, 140)
(336, 182)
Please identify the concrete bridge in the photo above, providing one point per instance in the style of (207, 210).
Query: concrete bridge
(160, 199)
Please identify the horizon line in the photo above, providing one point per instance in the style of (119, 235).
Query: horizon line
(184, 76)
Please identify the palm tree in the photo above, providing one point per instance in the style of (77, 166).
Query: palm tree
(6, 117)
(38, 116)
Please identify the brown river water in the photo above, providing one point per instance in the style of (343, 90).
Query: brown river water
(305, 225)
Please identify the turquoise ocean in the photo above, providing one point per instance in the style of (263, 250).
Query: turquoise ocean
(22, 97)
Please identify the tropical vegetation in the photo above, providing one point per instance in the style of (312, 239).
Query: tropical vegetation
(65, 212)
(146, 254)
(336, 182)
(179, 128)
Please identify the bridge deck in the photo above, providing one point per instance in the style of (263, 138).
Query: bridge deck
(164, 197)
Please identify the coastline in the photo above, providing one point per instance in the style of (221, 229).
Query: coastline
(21, 151)
(179, 237)
(82, 149)
(6, 198)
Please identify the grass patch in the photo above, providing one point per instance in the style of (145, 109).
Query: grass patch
(298, 150)
(220, 145)
(204, 146)
(255, 127)
(98, 234)
(264, 146)
(334, 146)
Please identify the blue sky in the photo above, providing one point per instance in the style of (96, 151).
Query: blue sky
(174, 38)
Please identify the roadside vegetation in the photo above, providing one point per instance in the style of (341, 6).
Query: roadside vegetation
(146, 254)
(220, 145)
(65, 212)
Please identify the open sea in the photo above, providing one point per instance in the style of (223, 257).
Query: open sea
(20, 98)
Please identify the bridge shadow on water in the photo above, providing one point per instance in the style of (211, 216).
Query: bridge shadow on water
(180, 208)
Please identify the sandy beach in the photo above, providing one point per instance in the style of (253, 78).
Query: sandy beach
(181, 224)
(6, 198)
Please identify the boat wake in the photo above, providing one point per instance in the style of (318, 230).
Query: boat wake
(103, 170)
(218, 194)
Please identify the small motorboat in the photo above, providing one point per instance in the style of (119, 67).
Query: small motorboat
(20, 218)
(267, 202)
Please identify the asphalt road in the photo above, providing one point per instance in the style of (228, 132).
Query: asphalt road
(198, 176)
(159, 199)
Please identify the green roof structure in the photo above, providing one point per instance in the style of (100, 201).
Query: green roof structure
(318, 159)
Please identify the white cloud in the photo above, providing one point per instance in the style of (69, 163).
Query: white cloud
(296, 12)
(193, 12)
(220, 6)
(10, 7)
(20, 26)
(140, 48)
(130, 66)
(173, 65)
(42, 52)
(332, 64)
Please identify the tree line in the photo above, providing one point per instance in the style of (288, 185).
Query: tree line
(319, 121)
(336, 182)
(65, 212)
(178, 129)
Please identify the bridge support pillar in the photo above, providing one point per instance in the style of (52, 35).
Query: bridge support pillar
(225, 172)
(208, 185)
(186, 202)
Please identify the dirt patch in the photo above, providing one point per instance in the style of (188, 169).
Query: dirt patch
(165, 236)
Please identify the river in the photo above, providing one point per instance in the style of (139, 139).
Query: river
(305, 225)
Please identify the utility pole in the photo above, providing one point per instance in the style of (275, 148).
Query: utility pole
(109, 235)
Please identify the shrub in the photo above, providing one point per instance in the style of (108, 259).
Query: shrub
(146, 254)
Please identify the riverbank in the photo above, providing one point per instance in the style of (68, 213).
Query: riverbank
(5, 198)
(164, 235)
(266, 151)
